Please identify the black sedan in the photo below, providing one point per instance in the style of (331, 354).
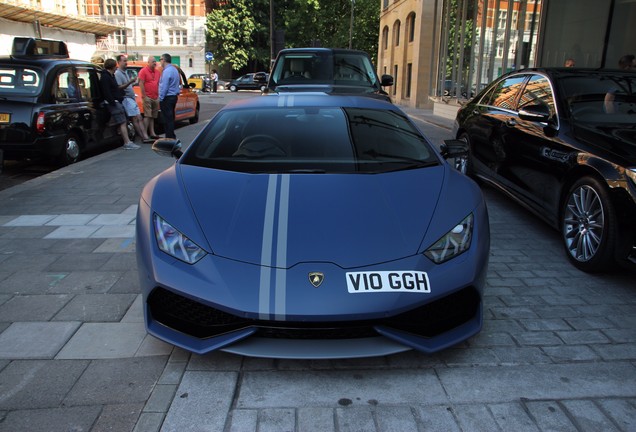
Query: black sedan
(250, 81)
(562, 142)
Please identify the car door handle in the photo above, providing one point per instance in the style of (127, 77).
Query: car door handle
(511, 122)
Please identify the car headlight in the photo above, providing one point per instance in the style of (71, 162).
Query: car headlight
(453, 243)
(175, 244)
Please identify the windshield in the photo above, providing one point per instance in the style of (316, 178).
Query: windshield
(601, 97)
(350, 69)
(20, 81)
(311, 140)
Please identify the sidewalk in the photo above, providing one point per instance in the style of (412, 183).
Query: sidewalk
(557, 352)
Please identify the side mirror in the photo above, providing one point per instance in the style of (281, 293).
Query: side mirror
(168, 147)
(387, 80)
(452, 149)
(536, 113)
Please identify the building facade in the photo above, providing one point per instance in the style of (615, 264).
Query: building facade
(154, 27)
(442, 51)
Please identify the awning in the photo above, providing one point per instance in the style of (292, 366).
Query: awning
(29, 15)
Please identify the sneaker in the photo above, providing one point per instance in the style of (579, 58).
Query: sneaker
(131, 146)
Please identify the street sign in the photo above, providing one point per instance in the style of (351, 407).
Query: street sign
(209, 56)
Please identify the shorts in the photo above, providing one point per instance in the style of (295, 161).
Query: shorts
(131, 107)
(117, 114)
(151, 107)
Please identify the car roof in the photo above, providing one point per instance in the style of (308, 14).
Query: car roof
(311, 99)
(321, 50)
(42, 62)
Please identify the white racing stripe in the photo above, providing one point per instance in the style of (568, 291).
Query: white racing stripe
(274, 253)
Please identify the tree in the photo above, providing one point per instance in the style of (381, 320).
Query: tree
(230, 28)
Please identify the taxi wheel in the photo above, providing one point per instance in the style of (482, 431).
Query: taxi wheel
(195, 119)
(71, 151)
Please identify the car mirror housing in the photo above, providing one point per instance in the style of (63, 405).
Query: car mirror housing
(454, 149)
(537, 113)
(387, 80)
(168, 147)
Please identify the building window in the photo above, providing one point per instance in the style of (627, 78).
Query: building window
(503, 16)
(409, 70)
(178, 37)
(156, 36)
(385, 37)
(385, 4)
(114, 7)
(175, 7)
(147, 7)
(396, 33)
(395, 79)
(410, 24)
(120, 37)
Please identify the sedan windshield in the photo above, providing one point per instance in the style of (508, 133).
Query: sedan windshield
(310, 140)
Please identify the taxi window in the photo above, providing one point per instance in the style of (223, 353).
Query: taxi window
(20, 81)
(67, 88)
(86, 85)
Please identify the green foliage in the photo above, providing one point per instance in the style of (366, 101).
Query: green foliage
(238, 30)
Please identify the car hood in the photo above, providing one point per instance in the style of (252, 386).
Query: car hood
(350, 220)
(618, 139)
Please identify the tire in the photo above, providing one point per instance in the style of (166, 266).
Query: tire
(588, 226)
(233, 88)
(195, 119)
(464, 164)
(71, 151)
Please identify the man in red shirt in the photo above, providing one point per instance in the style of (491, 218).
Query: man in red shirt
(149, 85)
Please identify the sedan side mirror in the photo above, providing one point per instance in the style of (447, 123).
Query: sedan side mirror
(387, 80)
(454, 149)
(168, 147)
(536, 113)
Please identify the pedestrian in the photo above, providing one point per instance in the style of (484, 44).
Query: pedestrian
(569, 63)
(113, 97)
(215, 80)
(130, 98)
(169, 89)
(626, 63)
(149, 85)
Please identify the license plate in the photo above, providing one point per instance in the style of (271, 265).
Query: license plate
(388, 281)
(5, 118)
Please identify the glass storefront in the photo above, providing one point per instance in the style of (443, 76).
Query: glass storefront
(483, 39)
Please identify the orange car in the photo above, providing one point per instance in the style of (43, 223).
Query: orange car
(187, 104)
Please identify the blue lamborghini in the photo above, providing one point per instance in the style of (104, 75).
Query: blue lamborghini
(312, 226)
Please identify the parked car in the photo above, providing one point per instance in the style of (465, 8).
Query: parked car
(188, 106)
(311, 226)
(202, 82)
(548, 139)
(330, 70)
(250, 81)
(50, 105)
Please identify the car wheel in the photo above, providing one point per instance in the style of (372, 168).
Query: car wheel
(263, 87)
(463, 164)
(233, 88)
(71, 151)
(588, 225)
(195, 119)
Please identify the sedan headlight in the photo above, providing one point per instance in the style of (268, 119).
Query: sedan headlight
(455, 242)
(172, 242)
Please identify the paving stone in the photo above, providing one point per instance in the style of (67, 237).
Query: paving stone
(583, 337)
(513, 313)
(538, 338)
(33, 340)
(173, 373)
(30, 282)
(512, 417)
(161, 398)
(437, 418)
(46, 420)
(151, 422)
(30, 220)
(271, 389)
(74, 246)
(72, 232)
(394, 418)
(557, 312)
(120, 262)
(571, 353)
(490, 339)
(550, 417)
(475, 418)
(589, 323)
(71, 219)
(127, 284)
(540, 381)
(622, 411)
(215, 361)
(112, 219)
(151, 346)
(135, 312)
(276, 420)
(355, 419)
(120, 381)
(37, 383)
(33, 307)
(118, 418)
(545, 324)
(620, 335)
(77, 262)
(104, 341)
(247, 421)
(115, 231)
(626, 351)
(96, 308)
(454, 357)
(315, 419)
(84, 282)
(28, 263)
(587, 416)
(202, 402)
(117, 245)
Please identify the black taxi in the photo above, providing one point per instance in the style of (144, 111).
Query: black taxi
(50, 105)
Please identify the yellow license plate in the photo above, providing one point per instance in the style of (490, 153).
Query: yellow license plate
(5, 118)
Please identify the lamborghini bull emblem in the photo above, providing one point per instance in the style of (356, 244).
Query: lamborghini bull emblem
(316, 278)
